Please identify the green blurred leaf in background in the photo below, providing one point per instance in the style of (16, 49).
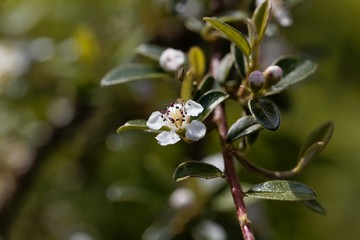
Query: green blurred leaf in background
(63, 168)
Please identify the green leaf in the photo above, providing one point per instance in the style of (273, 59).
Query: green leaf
(265, 112)
(224, 68)
(253, 34)
(261, 18)
(289, 64)
(196, 169)
(138, 124)
(127, 73)
(231, 33)
(282, 190)
(187, 86)
(231, 16)
(239, 60)
(209, 101)
(315, 143)
(197, 61)
(294, 70)
(315, 206)
(150, 51)
(242, 127)
(205, 85)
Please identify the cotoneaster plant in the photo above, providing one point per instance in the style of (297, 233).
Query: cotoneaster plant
(205, 91)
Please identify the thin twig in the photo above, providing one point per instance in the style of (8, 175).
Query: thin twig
(251, 167)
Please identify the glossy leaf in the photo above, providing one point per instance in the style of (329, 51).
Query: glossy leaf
(253, 35)
(231, 33)
(150, 51)
(196, 169)
(239, 60)
(282, 190)
(197, 61)
(209, 101)
(227, 17)
(315, 143)
(187, 86)
(261, 18)
(138, 124)
(315, 206)
(242, 127)
(205, 85)
(265, 112)
(294, 70)
(224, 68)
(127, 73)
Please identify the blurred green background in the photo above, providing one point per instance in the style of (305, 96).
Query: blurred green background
(66, 174)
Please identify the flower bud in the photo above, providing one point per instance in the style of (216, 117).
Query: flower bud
(171, 59)
(256, 81)
(272, 75)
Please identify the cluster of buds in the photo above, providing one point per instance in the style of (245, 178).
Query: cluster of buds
(263, 80)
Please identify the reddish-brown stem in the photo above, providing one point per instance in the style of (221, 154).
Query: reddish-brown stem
(231, 175)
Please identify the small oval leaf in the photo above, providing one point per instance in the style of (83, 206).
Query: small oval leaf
(196, 169)
(187, 86)
(294, 70)
(127, 73)
(138, 124)
(315, 206)
(150, 51)
(209, 101)
(282, 190)
(231, 16)
(261, 18)
(242, 127)
(239, 60)
(265, 112)
(315, 143)
(231, 33)
(253, 35)
(204, 86)
(197, 62)
(224, 68)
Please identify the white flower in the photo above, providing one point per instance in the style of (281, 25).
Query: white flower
(171, 60)
(177, 118)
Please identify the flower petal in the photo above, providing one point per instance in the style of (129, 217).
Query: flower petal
(193, 108)
(195, 130)
(167, 137)
(155, 121)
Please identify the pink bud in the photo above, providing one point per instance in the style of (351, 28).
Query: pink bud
(256, 81)
(272, 74)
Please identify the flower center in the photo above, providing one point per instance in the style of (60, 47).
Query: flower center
(175, 116)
